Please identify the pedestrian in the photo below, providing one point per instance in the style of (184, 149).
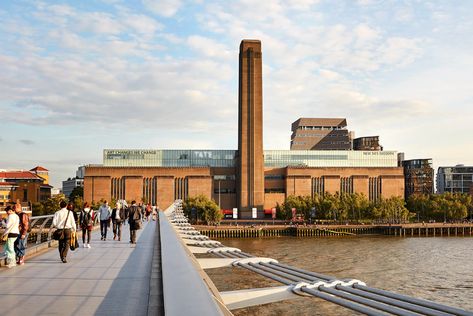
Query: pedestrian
(20, 242)
(105, 214)
(118, 217)
(148, 211)
(71, 208)
(63, 220)
(86, 218)
(10, 235)
(134, 219)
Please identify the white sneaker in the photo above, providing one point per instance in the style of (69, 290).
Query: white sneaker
(88, 245)
(84, 245)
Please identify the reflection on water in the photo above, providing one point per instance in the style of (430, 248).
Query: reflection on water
(438, 269)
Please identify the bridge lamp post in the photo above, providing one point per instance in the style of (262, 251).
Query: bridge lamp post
(219, 195)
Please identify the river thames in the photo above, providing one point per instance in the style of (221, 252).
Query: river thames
(437, 269)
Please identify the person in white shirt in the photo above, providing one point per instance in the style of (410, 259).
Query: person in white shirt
(64, 220)
(10, 235)
(118, 217)
(105, 213)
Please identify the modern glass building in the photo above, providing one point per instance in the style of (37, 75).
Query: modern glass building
(226, 158)
(455, 179)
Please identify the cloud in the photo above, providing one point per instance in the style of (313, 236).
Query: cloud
(27, 141)
(166, 8)
(209, 47)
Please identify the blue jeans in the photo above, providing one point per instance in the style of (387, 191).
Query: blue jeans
(20, 246)
(103, 228)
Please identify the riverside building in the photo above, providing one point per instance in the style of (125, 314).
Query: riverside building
(457, 179)
(249, 177)
(419, 177)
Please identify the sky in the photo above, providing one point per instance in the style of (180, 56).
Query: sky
(81, 76)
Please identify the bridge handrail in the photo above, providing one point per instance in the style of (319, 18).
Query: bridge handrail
(40, 234)
(185, 292)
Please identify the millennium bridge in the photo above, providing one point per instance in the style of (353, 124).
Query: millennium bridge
(164, 274)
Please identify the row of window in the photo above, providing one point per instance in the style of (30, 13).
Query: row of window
(320, 127)
(321, 135)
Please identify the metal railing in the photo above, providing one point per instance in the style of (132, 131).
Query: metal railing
(349, 293)
(40, 234)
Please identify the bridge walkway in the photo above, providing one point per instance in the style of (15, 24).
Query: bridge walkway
(111, 278)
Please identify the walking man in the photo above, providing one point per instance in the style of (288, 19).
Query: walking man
(64, 220)
(20, 242)
(134, 219)
(105, 214)
(118, 217)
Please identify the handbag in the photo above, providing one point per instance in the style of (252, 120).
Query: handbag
(74, 241)
(58, 234)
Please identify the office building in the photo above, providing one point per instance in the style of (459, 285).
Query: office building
(457, 179)
(71, 183)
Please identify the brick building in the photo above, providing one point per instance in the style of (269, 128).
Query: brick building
(27, 186)
(249, 177)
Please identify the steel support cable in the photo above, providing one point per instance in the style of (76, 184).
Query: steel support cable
(390, 301)
(342, 302)
(288, 276)
(238, 254)
(359, 300)
(266, 274)
(219, 254)
(393, 301)
(330, 298)
(314, 274)
(429, 304)
(299, 277)
(316, 293)
(295, 273)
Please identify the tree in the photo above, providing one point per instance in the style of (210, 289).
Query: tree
(206, 209)
(51, 205)
(77, 191)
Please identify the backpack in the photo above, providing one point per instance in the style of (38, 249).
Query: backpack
(87, 219)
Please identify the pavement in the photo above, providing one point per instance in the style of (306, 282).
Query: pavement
(111, 278)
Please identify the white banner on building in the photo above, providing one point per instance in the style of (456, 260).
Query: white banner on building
(235, 213)
(254, 213)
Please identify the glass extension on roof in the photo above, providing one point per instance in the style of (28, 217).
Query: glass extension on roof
(168, 158)
(226, 158)
(329, 158)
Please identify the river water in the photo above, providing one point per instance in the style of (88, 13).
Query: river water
(433, 268)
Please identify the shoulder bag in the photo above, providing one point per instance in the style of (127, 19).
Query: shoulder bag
(59, 233)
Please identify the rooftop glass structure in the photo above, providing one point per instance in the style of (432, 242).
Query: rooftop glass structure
(226, 158)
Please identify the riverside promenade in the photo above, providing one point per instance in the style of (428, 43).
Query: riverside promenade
(111, 278)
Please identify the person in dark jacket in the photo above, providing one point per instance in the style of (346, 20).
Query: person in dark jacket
(119, 215)
(86, 218)
(134, 219)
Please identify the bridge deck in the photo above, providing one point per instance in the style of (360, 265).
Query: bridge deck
(111, 278)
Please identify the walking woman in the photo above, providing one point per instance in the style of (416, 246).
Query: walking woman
(86, 219)
(64, 220)
(10, 235)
